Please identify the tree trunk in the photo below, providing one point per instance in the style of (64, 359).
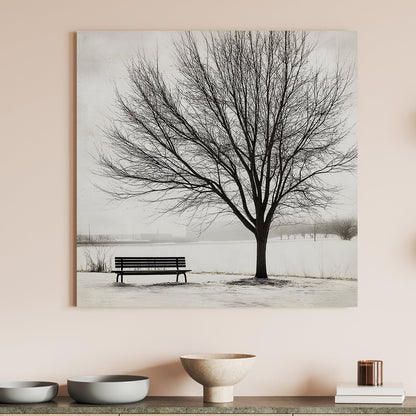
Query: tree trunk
(261, 266)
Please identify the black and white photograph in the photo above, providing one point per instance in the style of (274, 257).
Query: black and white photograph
(216, 169)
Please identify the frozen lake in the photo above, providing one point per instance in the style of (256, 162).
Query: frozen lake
(204, 290)
(326, 257)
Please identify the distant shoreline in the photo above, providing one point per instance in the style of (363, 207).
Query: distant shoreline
(185, 241)
(128, 242)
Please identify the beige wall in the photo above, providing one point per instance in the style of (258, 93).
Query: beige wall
(300, 351)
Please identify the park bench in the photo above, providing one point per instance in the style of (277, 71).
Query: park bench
(150, 266)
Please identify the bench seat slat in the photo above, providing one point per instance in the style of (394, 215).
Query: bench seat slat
(150, 266)
(150, 258)
(152, 262)
(151, 272)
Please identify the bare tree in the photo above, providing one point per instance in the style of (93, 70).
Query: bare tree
(248, 126)
(345, 228)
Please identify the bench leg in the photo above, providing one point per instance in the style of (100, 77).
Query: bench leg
(117, 278)
(184, 275)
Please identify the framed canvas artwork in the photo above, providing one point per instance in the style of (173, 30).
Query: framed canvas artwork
(216, 169)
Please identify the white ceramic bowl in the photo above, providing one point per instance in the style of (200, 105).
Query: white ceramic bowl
(218, 373)
(28, 391)
(111, 389)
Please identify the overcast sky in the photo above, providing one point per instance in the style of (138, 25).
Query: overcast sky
(101, 66)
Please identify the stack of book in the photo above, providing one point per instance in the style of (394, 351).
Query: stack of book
(388, 393)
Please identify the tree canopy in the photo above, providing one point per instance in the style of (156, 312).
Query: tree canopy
(248, 125)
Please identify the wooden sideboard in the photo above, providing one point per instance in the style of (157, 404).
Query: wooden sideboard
(172, 405)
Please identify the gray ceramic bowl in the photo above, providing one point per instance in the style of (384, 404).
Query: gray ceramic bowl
(28, 391)
(108, 389)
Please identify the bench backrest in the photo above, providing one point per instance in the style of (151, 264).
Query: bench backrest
(149, 262)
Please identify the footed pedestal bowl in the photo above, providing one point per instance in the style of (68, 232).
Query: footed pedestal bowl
(218, 373)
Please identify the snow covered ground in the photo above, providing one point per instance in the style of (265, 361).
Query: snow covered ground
(307, 273)
(205, 290)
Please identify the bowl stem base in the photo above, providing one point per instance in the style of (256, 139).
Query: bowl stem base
(222, 394)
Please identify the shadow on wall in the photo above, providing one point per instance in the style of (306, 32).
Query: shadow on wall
(72, 151)
(168, 377)
(318, 384)
(413, 242)
(412, 252)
